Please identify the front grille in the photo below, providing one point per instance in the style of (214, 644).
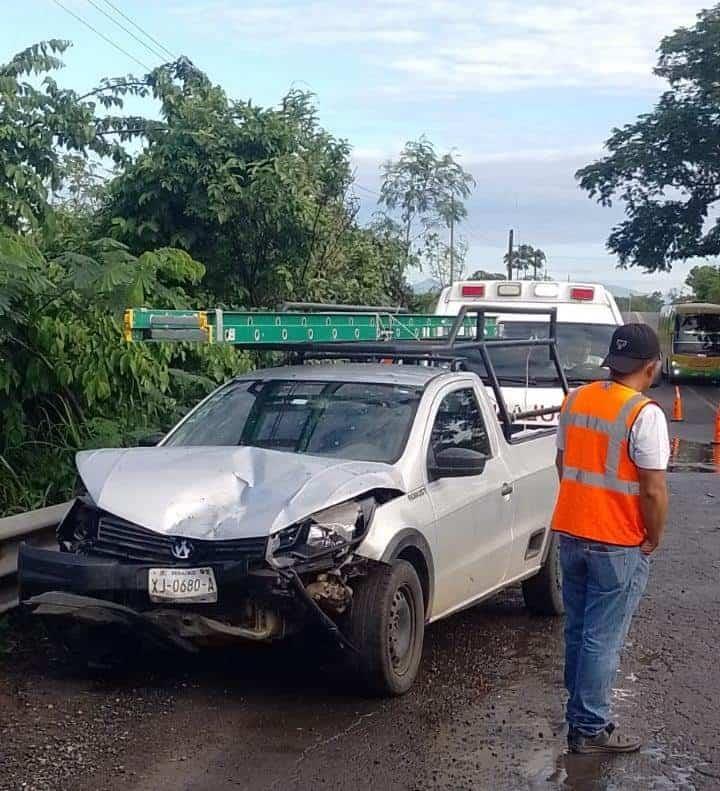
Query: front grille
(122, 540)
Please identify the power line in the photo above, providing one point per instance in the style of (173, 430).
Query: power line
(150, 49)
(142, 30)
(102, 35)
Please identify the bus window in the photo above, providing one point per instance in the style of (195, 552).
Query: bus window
(697, 334)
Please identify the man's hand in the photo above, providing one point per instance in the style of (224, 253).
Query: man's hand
(648, 547)
(653, 505)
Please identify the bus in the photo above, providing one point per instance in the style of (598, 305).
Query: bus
(690, 341)
(587, 316)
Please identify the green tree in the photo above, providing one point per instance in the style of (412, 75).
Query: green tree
(538, 262)
(482, 274)
(67, 380)
(665, 167)
(525, 258)
(518, 260)
(39, 125)
(258, 194)
(704, 282)
(425, 302)
(644, 303)
(441, 263)
(429, 192)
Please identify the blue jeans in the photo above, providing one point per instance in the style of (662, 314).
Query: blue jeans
(602, 586)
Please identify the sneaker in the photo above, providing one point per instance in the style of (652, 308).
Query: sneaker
(607, 741)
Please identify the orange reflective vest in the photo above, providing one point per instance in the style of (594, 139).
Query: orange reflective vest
(599, 497)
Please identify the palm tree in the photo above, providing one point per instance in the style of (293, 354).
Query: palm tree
(527, 257)
(538, 260)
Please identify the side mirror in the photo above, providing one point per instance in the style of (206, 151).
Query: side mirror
(457, 463)
(150, 440)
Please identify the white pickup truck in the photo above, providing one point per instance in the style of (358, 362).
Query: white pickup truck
(371, 499)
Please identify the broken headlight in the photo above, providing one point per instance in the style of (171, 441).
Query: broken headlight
(333, 525)
(325, 532)
(79, 526)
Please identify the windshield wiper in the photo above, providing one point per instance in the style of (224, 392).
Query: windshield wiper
(518, 380)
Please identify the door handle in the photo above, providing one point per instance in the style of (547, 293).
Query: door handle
(507, 489)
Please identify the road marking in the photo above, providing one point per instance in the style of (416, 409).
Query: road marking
(707, 401)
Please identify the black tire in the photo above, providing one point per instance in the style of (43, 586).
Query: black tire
(543, 592)
(387, 625)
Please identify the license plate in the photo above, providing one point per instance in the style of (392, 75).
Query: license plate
(187, 585)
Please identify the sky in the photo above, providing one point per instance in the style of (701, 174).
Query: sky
(523, 92)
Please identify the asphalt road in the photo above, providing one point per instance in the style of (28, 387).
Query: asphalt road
(486, 712)
(700, 404)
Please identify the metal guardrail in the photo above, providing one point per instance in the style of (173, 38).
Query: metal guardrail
(34, 527)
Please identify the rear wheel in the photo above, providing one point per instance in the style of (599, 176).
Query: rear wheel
(543, 592)
(387, 626)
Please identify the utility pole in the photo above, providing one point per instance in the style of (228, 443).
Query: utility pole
(452, 239)
(510, 254)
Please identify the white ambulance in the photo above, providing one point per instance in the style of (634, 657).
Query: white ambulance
(587, 316)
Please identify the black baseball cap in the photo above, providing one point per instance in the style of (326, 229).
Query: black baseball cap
(630, 347)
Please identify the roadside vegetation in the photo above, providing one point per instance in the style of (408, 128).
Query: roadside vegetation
(664, 167)
(207, 201)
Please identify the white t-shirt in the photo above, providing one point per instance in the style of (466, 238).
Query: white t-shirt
(649, 440)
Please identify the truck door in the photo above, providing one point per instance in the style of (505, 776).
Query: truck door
(473, 506)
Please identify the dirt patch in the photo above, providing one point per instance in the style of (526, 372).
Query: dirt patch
(58, 724)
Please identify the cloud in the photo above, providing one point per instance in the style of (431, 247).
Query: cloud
(281, 23)
(520, 155)
(394, 69)
(447, 47)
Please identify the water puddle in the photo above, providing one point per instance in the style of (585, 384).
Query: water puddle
(686, 456)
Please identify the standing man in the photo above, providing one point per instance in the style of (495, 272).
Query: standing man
(613, 450)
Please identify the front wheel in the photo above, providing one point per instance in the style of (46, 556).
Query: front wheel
(543, 592)
(387, 626)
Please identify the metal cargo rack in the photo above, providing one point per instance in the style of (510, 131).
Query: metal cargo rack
(361, 333)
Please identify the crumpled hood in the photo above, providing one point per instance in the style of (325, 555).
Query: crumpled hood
(223, 492)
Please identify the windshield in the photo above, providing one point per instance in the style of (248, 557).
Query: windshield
(350, 420)
(698, 334)
(581, 348)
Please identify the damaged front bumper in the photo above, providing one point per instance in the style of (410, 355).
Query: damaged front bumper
(112, 571)
(254, 604)
(185, 630)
